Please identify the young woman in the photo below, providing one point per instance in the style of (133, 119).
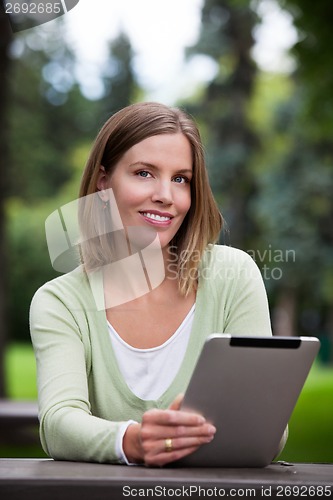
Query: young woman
(110, 377)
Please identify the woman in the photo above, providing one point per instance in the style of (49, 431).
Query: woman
(110, 378)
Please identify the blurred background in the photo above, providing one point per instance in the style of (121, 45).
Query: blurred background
(257, 75)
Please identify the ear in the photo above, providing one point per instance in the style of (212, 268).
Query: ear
(102, 179)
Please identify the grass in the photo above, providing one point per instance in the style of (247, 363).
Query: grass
(310, 427)
(21, 372)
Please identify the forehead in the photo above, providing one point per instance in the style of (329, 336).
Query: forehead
(162, 147)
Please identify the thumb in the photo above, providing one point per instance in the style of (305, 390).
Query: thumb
(176, 403)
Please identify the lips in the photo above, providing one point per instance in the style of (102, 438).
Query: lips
(157, 217)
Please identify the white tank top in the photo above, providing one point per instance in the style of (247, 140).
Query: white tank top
(149, 372)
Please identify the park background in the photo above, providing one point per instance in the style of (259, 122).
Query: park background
(266, 119)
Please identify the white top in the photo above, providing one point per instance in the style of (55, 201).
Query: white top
(149, 372)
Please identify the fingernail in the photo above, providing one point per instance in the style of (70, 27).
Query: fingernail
(211, 429)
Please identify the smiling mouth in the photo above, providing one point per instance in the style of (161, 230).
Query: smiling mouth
(159, 218)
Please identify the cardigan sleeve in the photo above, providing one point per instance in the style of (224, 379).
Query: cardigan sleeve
(68, 430)
(246, 304)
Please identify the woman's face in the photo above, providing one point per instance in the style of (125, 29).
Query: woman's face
(151, 184)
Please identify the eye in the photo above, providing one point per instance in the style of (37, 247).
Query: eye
(181, 179)
(143, 173)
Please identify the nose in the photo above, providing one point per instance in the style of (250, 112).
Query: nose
(163, 193)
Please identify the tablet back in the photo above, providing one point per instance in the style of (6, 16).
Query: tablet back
(247, 387)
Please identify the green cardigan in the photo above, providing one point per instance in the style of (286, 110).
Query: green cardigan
(83, 397)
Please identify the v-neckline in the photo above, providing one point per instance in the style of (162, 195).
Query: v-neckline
(183, 375)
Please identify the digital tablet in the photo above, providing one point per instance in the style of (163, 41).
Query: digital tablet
(247, 387)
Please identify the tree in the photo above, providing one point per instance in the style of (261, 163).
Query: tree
(314, 56)
(120, 85)
(295, 210)
(48, 114)
(226, 38)
(296, 192)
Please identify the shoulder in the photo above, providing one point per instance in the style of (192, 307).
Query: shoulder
(226, 252)
(67, 287)
(73, 278)
(222, 256)
(228, 267)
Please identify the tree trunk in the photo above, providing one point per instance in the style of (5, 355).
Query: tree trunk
(5, 40)
(284, 313)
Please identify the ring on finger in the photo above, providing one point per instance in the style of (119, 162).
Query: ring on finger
(168, 445)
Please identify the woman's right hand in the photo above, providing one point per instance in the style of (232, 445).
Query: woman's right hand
(148, 442)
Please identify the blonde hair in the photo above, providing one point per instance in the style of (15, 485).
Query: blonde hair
(203, 222)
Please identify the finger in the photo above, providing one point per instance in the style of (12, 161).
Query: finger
(173, 431)
(172, 417)
(180, 448)
(184, 443)
(168, 457)
(176, 403)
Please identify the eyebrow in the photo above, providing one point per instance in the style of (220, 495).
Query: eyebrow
(151, 165)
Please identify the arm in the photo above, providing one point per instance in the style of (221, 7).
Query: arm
(68, 430)
(247, 304)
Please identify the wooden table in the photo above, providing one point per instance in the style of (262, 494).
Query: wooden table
(44, 479)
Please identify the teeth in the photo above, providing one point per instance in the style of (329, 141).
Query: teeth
(160, 218)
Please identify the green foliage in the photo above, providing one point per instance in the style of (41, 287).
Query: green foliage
(270, 93)
(314, 54)
(28, 261)
(294, 205)
(47, 115)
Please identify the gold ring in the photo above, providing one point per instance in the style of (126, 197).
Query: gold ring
(168, 444)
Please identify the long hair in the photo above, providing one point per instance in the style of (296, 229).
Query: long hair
(203, 222)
